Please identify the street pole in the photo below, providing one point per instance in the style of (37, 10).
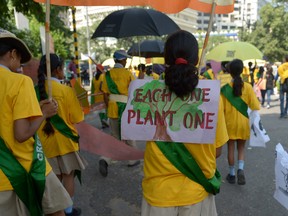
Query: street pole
(88, 46)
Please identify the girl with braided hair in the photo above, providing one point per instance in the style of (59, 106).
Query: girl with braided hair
(58, 134)
(237, 97)
(169, 187)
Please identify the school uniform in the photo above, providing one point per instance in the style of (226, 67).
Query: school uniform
(18, 101)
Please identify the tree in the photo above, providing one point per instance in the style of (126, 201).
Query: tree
(36, 16)
(270, 32)
(163, 109)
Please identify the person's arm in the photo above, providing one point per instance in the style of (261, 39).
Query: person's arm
(27, 127)
(218, 152)
(106, 98)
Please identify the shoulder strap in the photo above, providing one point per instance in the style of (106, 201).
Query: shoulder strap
(237, 102)
(181, 158)
(59, 123)
(29, 187)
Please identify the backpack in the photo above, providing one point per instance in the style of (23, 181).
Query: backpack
(285, 86)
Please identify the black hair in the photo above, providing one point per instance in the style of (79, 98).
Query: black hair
(181, 79)
(4, 48)
(141, 67)
(98, 73)
(235, 69)
(261, 70)
(149, 70)
(55, 62)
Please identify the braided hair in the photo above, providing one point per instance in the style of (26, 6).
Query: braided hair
(181, 77)
(55, 62)
(235, 69)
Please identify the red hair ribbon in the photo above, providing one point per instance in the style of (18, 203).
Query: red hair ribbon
(181, 61)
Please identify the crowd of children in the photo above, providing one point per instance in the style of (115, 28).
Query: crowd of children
(30, 115)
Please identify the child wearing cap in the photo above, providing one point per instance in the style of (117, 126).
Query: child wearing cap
(27, 183)
(58, 134)
(115, 87)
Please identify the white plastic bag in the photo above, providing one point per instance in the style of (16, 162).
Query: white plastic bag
(281, 176)
(258, 135)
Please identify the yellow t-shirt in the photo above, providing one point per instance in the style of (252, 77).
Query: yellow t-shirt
(283, 72)
(246, 75)
(238, 124)
(97, 85)
(224, 78)
(18, 101)
(255, 75)
(70, 111)
(165, 186)
(122, 78)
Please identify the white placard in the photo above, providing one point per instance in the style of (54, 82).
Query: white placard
(154, 113)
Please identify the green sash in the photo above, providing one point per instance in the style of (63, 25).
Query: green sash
(181, 158)
(59, 123)
(237, 102)
(114, 90)
(29, 187)
(206, 74)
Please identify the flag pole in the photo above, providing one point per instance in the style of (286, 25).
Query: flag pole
(47, 48)
(207, 34)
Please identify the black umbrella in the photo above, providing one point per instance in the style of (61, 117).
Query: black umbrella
(147, 49)
(135, 22)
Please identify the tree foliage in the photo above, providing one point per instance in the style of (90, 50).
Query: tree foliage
(270, 32)
(35, 13)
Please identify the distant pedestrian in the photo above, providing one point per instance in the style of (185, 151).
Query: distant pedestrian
(251, 71)
(98, 96)
(261, 84)
(283, 73)
(237, 96)
(72, 67)
(269, 84)
(208, 74)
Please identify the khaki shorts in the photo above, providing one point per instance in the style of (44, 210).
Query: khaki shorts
(205, 208)
(67, 163)
(55, 198)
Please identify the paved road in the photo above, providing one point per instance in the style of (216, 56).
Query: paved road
(119, 194)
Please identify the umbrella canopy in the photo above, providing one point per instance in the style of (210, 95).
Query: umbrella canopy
(169, 6)
(236, 49)
(147, 49)
(135, 22)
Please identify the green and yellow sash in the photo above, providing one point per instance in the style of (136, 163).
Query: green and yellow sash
(181, 158)
(207, 75)
(237, 102)
(114, 90)
(59, 123)
(29, 187)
